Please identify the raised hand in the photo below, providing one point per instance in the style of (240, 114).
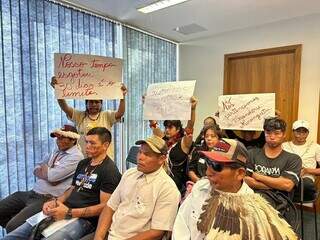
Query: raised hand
(53, 81)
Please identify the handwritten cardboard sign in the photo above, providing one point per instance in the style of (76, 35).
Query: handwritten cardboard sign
(83, 76)
(245, 111)
(168, 101)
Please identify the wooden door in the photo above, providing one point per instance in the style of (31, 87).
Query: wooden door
(266, 71)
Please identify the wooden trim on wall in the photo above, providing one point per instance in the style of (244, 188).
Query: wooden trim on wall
(318, 133)
(296, 49)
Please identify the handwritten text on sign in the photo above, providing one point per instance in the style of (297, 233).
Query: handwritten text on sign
(170, 100)
(83, 76)
(245, 111)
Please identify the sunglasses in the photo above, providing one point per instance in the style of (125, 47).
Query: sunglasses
(218, 167)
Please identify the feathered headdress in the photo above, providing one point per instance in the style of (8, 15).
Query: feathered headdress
(231, 216)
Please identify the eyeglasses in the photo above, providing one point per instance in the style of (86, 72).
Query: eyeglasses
(218, 167)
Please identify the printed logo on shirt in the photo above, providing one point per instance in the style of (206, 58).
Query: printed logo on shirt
(269, 171)
(85, 181)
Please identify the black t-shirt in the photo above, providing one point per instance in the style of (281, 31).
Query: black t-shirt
(178, 166)
(197, 164)
(287, 164)
(104, 177)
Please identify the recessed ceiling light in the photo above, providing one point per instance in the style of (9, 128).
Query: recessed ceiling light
(160, 5)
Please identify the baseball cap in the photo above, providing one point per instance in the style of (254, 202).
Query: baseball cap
(227, 151)
(68, 131)
(157, 144)
(301, 124)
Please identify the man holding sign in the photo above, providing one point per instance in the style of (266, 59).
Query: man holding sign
(93, 78)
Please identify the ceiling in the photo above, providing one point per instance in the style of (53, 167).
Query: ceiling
(217, 16)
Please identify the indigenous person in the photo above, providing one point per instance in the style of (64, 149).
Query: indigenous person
(274, 172)
(95, 179)
(145, 203)
(197, 165)
(93, 116)
(54, 176)
(179, 142)
(272, 167)
(309, 152)
(223, 206)
(208, 121)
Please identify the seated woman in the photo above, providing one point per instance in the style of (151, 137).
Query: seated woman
(208, 121)
(179, 142)
(197, 166)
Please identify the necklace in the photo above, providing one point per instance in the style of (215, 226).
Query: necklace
(93, 119)
(87, 175)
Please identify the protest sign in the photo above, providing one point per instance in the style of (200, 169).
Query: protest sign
(170, 100)
(83, 76)
(245, 111)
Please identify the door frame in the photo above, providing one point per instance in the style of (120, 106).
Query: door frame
(295, 49)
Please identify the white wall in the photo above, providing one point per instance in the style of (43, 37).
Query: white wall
(203, 60)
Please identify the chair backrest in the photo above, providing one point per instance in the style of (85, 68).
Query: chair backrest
(132, 155)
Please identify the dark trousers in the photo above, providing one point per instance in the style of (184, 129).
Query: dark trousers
(18, 207)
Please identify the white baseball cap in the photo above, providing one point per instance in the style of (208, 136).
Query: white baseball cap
(301, 124)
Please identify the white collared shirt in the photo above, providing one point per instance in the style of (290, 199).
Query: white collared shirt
(185, 226)
(142, 202)
(61, 167)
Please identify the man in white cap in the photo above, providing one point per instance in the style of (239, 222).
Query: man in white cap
(145, 203)
(54, 176)
(309, 152)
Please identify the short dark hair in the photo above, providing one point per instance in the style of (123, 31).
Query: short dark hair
(175, 123)
(274, 123)
(103, 134)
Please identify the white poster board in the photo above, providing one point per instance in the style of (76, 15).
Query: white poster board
(83, 76)
(168, 101)
(245, 111)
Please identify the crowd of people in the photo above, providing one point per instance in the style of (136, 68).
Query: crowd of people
(215, 185)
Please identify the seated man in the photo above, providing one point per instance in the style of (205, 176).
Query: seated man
(145, 203)
(94, 180)
(223, 206)
(272, 167)
(54, 178)
(309, 152)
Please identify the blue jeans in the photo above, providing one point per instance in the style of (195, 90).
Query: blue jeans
(72, 231)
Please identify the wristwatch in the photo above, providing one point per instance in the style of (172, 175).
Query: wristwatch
(68, 214)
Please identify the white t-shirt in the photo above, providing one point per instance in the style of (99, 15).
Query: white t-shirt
(308, 152)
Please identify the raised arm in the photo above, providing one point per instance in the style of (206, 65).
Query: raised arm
(155, 128)
(187, 138)
(122, 104)
(62, 103)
